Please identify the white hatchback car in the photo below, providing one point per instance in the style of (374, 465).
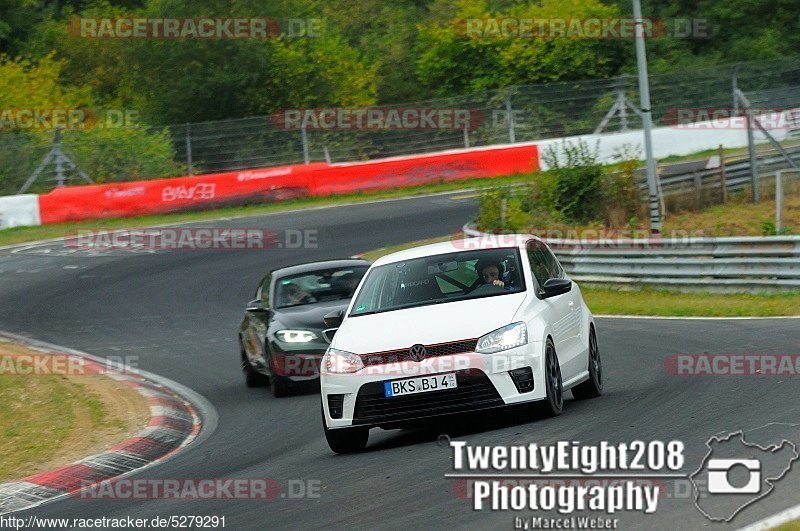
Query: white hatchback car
(452, 327)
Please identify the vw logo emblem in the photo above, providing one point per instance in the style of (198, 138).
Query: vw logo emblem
(417, 352)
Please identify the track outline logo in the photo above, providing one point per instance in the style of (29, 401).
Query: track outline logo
(717, 468)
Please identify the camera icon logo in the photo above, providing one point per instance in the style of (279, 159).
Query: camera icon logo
(737, 471)
(719, 471)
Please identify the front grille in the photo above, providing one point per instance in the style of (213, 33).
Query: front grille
(474, 391)
(439, 349)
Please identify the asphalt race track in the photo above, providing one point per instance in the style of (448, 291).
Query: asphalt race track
(177, 313)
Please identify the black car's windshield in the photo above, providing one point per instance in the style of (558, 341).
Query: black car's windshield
(318, 286)
(440, 278)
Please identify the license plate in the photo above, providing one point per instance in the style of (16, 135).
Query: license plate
(422, 384)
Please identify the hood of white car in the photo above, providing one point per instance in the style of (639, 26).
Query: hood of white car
(437, 323)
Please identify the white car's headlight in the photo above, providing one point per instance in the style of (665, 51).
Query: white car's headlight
(341, 362)
(296, 336)
(510, 336)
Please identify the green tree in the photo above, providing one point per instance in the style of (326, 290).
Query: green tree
(453, 61)
(105, 154)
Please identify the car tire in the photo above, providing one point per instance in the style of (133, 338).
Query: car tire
(553, 403)
(252, 378)
(593, 387)
(345, 440)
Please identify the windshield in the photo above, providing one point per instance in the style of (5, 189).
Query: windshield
(318, 286)
(439, 279)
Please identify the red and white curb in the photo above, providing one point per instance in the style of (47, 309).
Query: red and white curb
(177, 416)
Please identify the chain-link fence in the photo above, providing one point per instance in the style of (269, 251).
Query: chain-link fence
(513, 114)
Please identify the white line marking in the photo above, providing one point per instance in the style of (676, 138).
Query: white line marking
(695, 318)
(792, 513)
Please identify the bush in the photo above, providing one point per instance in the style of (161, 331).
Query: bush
(572, 188)
(125, 154)
(104, 155)
(621, 195)
(517, 214)
(575, 190)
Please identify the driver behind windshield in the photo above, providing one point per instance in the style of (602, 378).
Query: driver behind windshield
(489, 272)
(294, 295)
(349, 282)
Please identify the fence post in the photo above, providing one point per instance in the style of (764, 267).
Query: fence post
(59, 159)
(723, 179)
(778, 201)
(466, 137)
(751, 150)
(510, 116)
(698, 190)
(189, 148)
(304, 139)
(327, 154)
(623, 112)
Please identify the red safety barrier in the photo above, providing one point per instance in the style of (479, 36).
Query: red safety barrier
(278, 183)
(402, 172)
(137, 198)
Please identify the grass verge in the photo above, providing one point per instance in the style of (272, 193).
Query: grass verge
(50, 420)
(646, 301)
(736, 219)
(666, 303)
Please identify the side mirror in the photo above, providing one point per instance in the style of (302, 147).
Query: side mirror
(556, 286)
(334, 319)
(256, 305)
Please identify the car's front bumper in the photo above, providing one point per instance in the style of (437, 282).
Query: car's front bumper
(483, 381)
(297, 366)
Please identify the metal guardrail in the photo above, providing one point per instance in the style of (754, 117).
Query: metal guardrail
(767, 263)
(737, 174)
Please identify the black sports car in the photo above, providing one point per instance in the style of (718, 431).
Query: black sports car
(282, 336)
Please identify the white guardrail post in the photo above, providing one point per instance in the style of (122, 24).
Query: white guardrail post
(725, 264)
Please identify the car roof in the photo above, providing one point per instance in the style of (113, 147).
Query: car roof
(315, 266)
(489, 241)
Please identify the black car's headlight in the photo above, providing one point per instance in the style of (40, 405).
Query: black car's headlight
(296, 336)
(510, 336)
